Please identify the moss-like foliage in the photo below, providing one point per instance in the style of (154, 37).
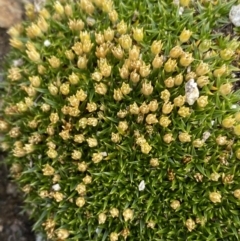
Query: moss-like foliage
(121, 122)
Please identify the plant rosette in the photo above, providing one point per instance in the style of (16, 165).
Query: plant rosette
(120, 120)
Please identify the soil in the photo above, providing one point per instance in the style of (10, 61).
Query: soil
(14, 223)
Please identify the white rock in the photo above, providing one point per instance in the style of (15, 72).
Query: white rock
(206, 135)
(191, 92)
(47, 43)
(56, 187)
(141, 186)
(234, 15)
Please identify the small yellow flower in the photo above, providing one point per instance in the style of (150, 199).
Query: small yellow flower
(138, 34)
(202, 69)
(54, 118)
(125, 41)
(128, 214)
(176, 52)
(170, 65)
(202, 81)
(87, 179)
(153, 105)
(54, 62)
(100, 89)
(202, 101)
(76, 155)
(151, 119)
(178, 79)
(156, 47)
(186, 59)
(184, 111)
(184, 3)
(185, 35)
(113, 236)
(236, 193)
(48, 170)
(237, 130)
(62, 234)
(113, 16)
(154, 162)
(117, 94)
(169, 82)
(214, 176)
(125, 88)
(228, 122)
(108, 34)
(122, 27)
(179, 101)
(114, 212)
(184, 137)
(102, 217)
(64, 88)
(175, 204)
(190, 224)
(115, 137)
(215, 197)
(198, 143)
(145, 148)
(82, 62)
(97, 157)
(225, 89)
(167, 108)
(226, 54)
(81, 189)
(157, 62)
(220, 71)
(80, 202)
(165, 121)
(134, 77)
(168, 138)
(147, 88)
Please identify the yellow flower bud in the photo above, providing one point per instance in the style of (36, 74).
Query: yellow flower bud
(87, 179)
(82, 62)
(185, 35)
(202, 81)
(169, 82)
(102, 217)
(147, 88)
(156, 47)
(198, 143)
(105, 68)
(228, 122)
(179, 101)
(226, 54)
(118, 52)
(125, 88)
(178, 79)
(123, 126)
(42, 24)
(134, 77)
(134, 53)
(151, 119)
(184, 137)
(144, 70)
(184, 3)
(237, 116)
(81, 189)
(124, 73)
(202, 101)
(186, 59)
(138, 34)
(237, 130)
(68, 10)
(108, 34)
(54, 62)
(165, 95)
(134, 109)
(168, 138)
(125, 41)
(113, 16)
(220, 71)
(14, 74)
(48, 170)
(16, 43)
(53, 89)
(33, 55)
(33, 31)
(117, 95)
(99, 38)
(175, 204)
(170, 65)
(164, 121)
(64, 88)
(122, 27)
(184, 111)
(205, 45)
(128, 214)
(236, 193)
(145, 148)
(114, 212)
(115, 137)
(190, 224)
(167, 108)
(215, 197)
(144, 109)
(157, 62)
(154, 162)
(153, 105)
(100, 89)
(113, 236)
(80, 201)
(175, 52)
(225, 89)
(221, 140)
(202, 69)
(62, 234)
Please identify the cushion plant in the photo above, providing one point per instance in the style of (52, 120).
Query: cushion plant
(120, 120)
